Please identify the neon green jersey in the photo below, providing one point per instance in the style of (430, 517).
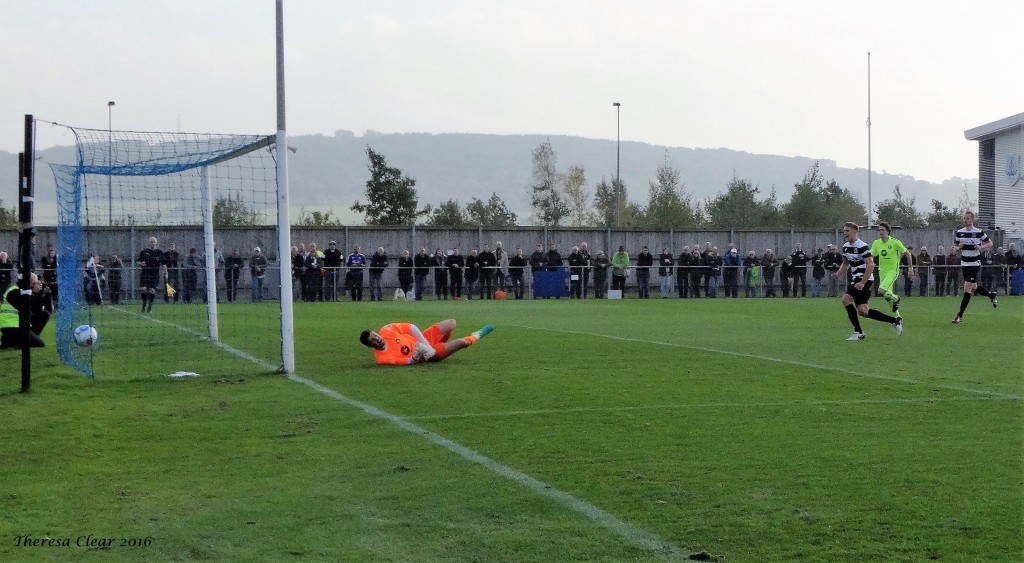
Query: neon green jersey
(887, 254)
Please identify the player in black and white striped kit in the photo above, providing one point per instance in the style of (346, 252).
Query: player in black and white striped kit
(857, 258)
(970, 241)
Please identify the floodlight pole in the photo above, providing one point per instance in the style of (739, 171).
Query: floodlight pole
(26, 197)
(869, 139)
(618, 178)
(110, 162)
(284, 234)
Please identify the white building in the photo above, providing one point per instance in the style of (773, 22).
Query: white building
(1000, 180)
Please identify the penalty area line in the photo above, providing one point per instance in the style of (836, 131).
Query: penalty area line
(907, 380)
(636, 536)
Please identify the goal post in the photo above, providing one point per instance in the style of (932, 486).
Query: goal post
(167, 240)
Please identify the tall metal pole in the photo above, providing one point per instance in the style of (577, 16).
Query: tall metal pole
(618, 178)
(869, 139)
(110, 162)
(26, 198)
(284, 235)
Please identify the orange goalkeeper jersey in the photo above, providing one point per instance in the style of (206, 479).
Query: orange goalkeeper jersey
(400, 344)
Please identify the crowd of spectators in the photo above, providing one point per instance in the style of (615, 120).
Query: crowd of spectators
(697, 271)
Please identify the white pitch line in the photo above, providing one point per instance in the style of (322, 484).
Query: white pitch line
(906, 380)
(681, 406)
(637, 536)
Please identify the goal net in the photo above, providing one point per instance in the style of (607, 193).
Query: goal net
(156, 248)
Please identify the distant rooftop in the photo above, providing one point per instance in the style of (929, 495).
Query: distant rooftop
(994, 128)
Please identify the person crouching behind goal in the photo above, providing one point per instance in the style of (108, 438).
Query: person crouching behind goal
(406, 344)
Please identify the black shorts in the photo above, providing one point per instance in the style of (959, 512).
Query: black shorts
(860, 296)
(149, 278)
(970, 274)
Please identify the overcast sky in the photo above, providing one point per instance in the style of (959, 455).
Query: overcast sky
(785, 77)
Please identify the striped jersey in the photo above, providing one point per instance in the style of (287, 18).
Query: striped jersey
(970, 240)
(856, 253)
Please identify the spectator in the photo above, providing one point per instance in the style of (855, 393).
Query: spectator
(488, 264)
(908, 281)
(49, 265)
(378, 263)
(752, 274)
(455, 263)
(683, 273)
(601, 264)
(315, 274)
(472, 273)
(516, 266)
(92, 282)
(554, 259)
(799, 270)
(817, 273)
(833, 261)
(233, 272)
(706, 269)
(113, 280)
(356, 263)
(953, 272)
(538, 260)
(298, 274)
(575, 273)
(1014, 260)
(924, 263)
(333, 260)
(421, 267)
(696, 271)
(731, 272)
(189, 282)
(713, 263)
(218, 266)
(940, 271)
(257, 271)
(588, 263)
(438, 263)
(12, 302)
(620, 265)
(999, 265)
(786, 276)
(6, 270)
(988, 274)
(769, 263)
(405, 272)
(666, 263)
(644, 261)
(501, 266)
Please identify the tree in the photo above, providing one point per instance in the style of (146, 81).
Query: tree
(739, 207)
(612, 202)
(669, 206)
(942, 217)
(899, 211)
(815, 204)
(494, 213)
(390, 194)
(318, 219)
(8, 217)
(545, 193)
(449, 215)
(580, 213)
(233, 212)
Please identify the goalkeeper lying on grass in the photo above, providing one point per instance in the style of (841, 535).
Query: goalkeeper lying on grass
(405, 344)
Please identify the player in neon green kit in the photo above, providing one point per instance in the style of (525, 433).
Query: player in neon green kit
(887, 250)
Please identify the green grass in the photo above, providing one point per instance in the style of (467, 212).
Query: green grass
(747, 429)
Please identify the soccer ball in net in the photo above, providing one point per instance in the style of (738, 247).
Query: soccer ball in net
(85, 335)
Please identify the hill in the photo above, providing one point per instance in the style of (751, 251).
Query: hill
(329, 172)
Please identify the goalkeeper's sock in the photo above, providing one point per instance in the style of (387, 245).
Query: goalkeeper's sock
(483, 331)
(471, 339)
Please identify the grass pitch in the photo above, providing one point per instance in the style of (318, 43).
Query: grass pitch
(749, 430)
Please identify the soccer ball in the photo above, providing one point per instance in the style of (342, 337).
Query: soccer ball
(85, 335)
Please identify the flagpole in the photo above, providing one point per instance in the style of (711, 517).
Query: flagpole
(869, 139)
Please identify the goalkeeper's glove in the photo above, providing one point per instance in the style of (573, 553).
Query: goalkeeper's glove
(424, 351)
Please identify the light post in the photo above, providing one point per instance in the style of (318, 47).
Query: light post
(110, 161)
(618, 179)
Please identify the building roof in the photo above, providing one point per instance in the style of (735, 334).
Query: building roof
(994, 128)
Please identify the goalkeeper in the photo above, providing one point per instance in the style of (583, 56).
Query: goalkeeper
(405, 344)
(887, 250)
